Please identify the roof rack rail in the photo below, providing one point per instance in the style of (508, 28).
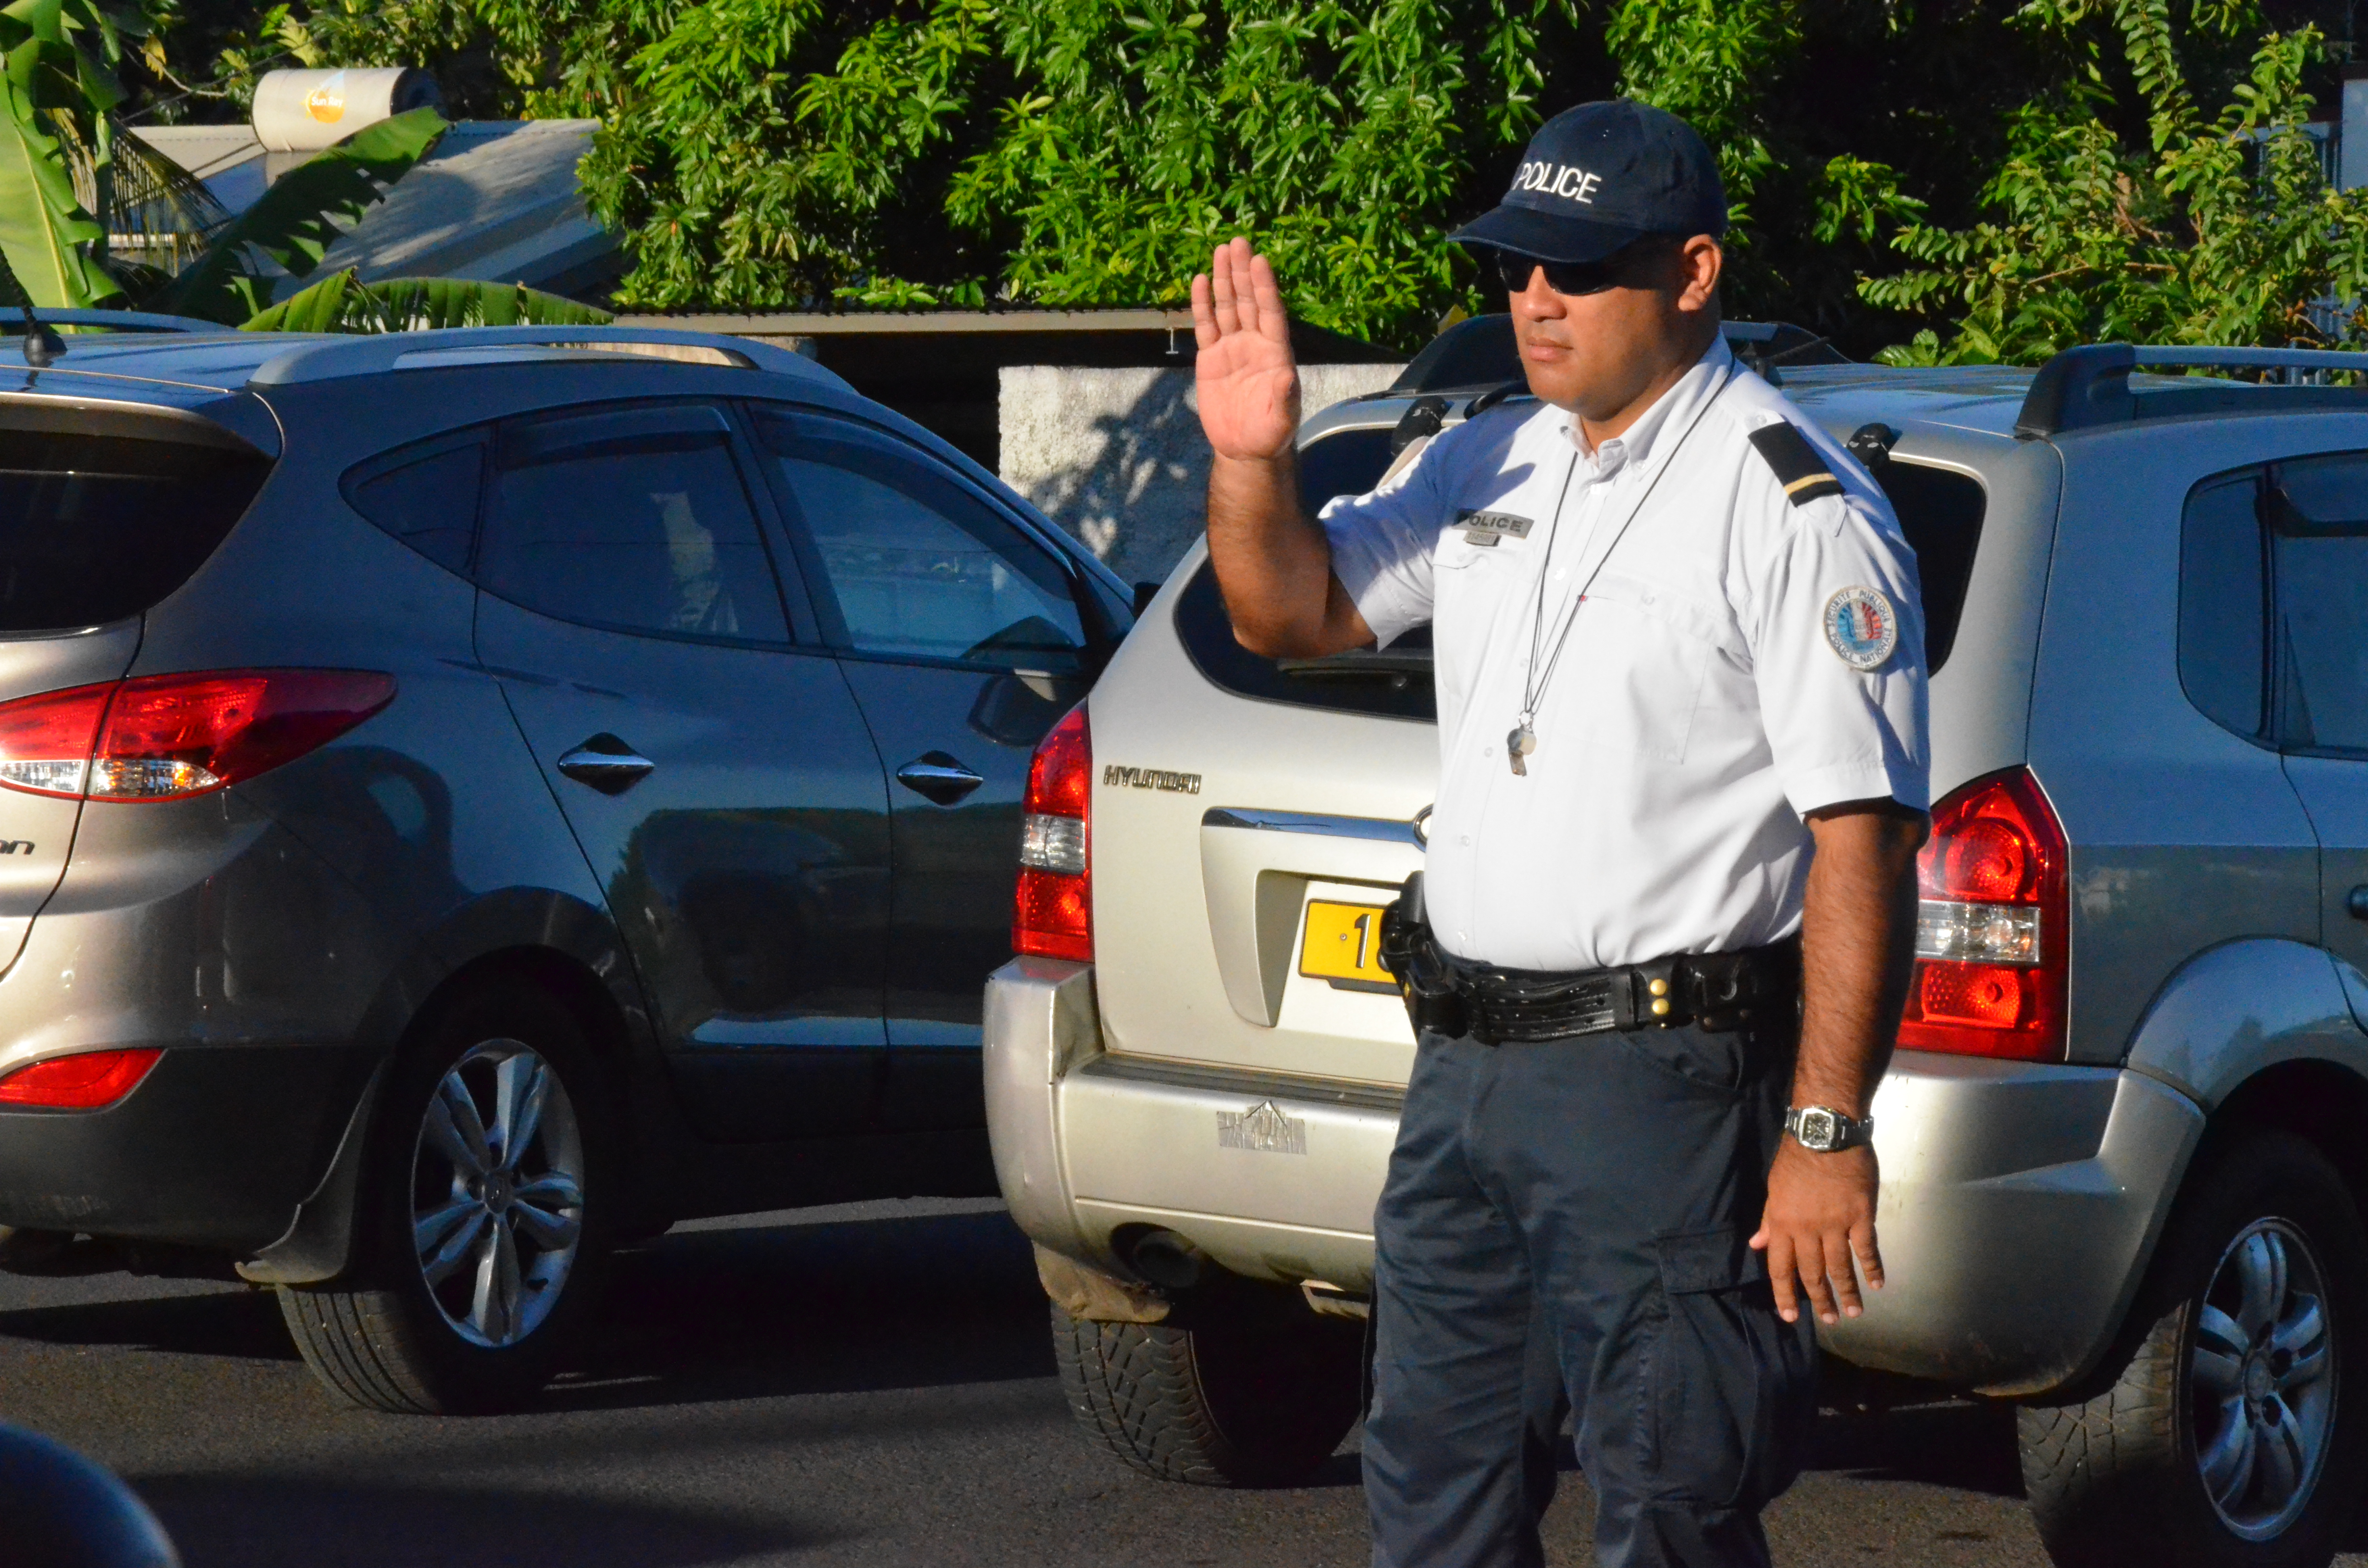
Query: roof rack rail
(13, 316)
(2090, 386)
(334, 358)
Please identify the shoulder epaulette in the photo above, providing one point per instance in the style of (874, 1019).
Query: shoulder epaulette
(1799, 469)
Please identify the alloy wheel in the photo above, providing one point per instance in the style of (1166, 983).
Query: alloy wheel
(2261, 1380)
(497, 1193)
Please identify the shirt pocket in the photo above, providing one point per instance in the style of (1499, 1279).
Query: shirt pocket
(1633, 669)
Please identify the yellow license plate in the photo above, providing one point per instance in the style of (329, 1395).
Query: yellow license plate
(1343, 945)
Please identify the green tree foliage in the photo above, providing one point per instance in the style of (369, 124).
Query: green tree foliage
(59, 89)
(1892, 164)
(1067, 154)
(2215, 228)
(779, 152)
(62, 152)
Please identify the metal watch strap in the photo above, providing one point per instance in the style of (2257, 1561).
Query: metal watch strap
(1826, 1130)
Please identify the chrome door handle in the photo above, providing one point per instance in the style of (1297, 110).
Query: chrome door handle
(937, 776)
(605, 764)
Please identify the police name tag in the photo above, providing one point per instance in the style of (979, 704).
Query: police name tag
(1487, 527)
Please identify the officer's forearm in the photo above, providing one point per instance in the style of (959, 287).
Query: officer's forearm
(1274, 564)
(1858, 932)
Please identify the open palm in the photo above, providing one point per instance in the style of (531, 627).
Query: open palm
(1247, 381)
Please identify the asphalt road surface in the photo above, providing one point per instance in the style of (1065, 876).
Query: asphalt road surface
(868, 1385)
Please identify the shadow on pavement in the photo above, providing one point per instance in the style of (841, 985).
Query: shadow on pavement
(709, 1314)
(260, 1523)
(244, 1323)
(1969, 1446)
(771, 1309)
(815, 1309)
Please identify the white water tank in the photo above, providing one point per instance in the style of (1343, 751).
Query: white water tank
(303, 111)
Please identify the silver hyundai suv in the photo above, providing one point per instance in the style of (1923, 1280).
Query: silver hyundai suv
(467, 798)
(2123, 1141)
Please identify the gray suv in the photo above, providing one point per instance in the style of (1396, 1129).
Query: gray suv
(470, 798)
(2124, 1142)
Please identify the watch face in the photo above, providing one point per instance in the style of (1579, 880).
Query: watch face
(1817, 1129)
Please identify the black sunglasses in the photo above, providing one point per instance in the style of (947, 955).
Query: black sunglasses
(1514, 270)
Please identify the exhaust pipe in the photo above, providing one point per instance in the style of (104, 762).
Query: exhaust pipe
(1167, 1260)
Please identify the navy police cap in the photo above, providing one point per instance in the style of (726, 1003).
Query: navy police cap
(1599, 176)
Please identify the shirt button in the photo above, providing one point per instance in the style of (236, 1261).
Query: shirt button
(1467, 842)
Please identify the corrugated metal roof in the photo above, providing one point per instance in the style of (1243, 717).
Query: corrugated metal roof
(496, 200)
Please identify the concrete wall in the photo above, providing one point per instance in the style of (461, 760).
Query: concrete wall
(1117, 457)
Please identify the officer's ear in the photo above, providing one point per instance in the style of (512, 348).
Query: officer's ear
(1695, 269)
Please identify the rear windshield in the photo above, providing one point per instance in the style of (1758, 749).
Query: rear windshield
(99, 528)
(1940, 511)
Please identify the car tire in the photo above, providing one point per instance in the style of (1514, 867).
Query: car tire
(2235, 1431)
(479, 1251)
(1250, 1403)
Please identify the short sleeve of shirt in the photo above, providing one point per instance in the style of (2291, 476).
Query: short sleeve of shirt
(1381, 542)
(1833, 582)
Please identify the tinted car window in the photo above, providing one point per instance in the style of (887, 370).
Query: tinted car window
(1478, 352)
(1345, 462)
(94, 527)
(1393, 682)
(916, 565)
(2318, 562)
(1941, 514)
(631, 520)
(426, 498)
(2221, 603)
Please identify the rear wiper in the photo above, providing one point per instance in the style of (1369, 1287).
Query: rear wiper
(1362, 664)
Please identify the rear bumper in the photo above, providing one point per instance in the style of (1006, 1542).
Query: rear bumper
(2019, 1202)
(2020, 1207)
(1274, 1177)
(215, 1148)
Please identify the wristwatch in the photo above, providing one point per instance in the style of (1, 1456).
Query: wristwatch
(1818, 1127)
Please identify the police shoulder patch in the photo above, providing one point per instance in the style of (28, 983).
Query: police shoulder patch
(1861, 627)
(1797, 465)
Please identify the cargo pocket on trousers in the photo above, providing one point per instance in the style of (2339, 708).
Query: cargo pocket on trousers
(1732, 1387)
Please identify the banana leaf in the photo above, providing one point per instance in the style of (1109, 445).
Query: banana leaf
(342, 302)
(293, 224)
(45, 234)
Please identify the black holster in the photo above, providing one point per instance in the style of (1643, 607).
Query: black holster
(1434, 998)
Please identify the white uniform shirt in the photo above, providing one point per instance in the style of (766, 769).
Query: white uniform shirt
(1721, 678)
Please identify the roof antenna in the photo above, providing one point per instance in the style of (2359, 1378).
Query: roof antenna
(43, 346)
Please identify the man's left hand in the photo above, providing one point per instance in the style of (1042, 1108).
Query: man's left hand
(1820, 1214)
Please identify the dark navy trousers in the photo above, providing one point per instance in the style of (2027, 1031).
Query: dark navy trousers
(1562, 1233)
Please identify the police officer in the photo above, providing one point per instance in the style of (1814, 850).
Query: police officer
(1670, 889)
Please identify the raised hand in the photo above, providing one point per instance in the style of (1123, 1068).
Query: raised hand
(1248, 383)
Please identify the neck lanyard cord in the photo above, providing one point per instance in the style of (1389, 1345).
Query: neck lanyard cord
(1531, 692)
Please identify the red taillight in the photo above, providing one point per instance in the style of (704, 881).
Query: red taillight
(89, 1080)
(169, 737)
(1053, 914)
(46, 740)
(1991, 927)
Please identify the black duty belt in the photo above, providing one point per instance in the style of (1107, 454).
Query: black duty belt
(1714, 990)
